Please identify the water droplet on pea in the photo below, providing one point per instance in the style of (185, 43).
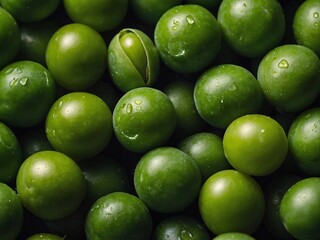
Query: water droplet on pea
(307, 116)
(17, 70)
(185, 235)
(316, 15)
(316, 24)
(180, 53)
(138, 101)
(23, 81)
(283, 64)
(9, 70)
(232, 87)
(176, 24)
(13, 82)
(129, 108)
(190, 19)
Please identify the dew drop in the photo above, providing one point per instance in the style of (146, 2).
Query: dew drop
(129, 108)
(186, 235)
(9, 70)
(222, 100)
(17, 70)
(138, 101)
(180, 53)
(283, 64)
(316, 24)
(232, 87)
(23, 81)
(176, 24)
(13, 82)
(190, 19)
(316, 15)
(307, 116)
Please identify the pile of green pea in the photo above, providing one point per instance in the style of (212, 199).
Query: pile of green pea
(162, 120)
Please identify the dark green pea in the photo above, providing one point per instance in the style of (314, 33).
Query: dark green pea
(189, 121)
(274, 193)
(207, 150)
(133, 60)
(306, 25)
(181, 227)
(150, 11)
(34, 40)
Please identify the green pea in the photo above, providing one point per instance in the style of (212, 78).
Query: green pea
(133, 60)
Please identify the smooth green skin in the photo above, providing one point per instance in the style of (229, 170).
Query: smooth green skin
(285, 78)
(207, 150)
(144, 118)
(188, 38)
(10, 154)
(226, 92)
(209, 4)
(167, 179)
(251, 27)
(150, 11)
(50, 185)
(299, 209)
(44, 236)
(231, 201)
(104, 175)
(306, 25)
(304, 141)
(233, 236)
(118, 216)
(31, 10)
(76, 56)
(34, 40)
(102, 15)
(22, 84)
(255, 144)
(189, 121)
(79, 124)
(274, 191)
(33, 140)
(11, 213)
(180, 227)
(133, 60)
(133, 48)
(9, 38)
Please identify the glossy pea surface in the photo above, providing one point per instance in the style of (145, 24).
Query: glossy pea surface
(144, 118)
(285, 77)
(133, 60)
(188, 38)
